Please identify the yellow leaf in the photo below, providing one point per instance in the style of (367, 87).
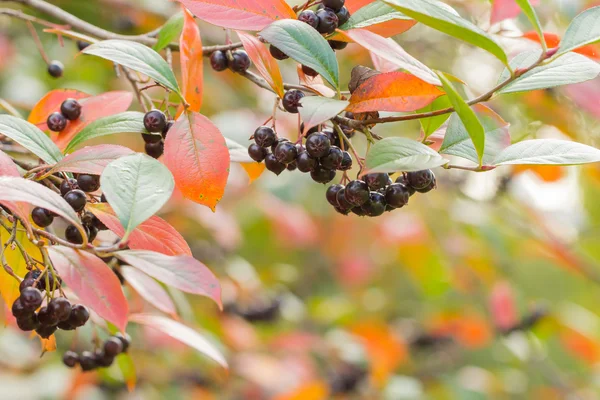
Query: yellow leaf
(253, 169)
(48, 344)
(9, 286)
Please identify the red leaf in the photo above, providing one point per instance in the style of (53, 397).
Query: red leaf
(553, 41)
(191, 62)
(7, 166)
(149, 289)
(264, 62)
(182, 333)
(94, 283)
(502, 306)
(507, 9)
(51, 103)
(381, 64)
(197, 155)
(385, 29)
(182, 272)
(91, 159)
(316, 83)
(249, 15)
(92, 108)
(393, 91)
(153, 234)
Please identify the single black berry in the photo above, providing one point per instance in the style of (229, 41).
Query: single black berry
(26, 282)
(343, 16)
(335, 5)
(70, 359)
(397, 195)
(420, 179)
(66, 325)
(359, 211)
(81, 45)
(67, 185)
(314, 129)
(322, 175)
(277, 54)
(73, 235)
(274, 145)
(257, 153)
(333, 159)
(328, 21)
(273, 165)
(93, 232)
(56, 122)
(19, 310)
(113, 346)
(357, 193)
(292, 166)
(402, 179)
(55, 69)
(151, 137)
(87, 361)
(291, 100)
(318, 145)
(332, 192)
(88, 183)
(45, 331)
(42, 217)
(218, 60)
(285, 152)
(60, 307)
(47, 318)
(305, 162)
(79, 315)
(102, 359)
(309, 71)
(125, 339)
(429, 187)
(377, 181)
(167, 128)
(31, 298)
(337, 44)
(375, 206)
(346, 163)
(265, 136)
(155, 150)
(309, 17)
(155, 121)
(71, 109)
(342, 201)
(76, 199)
(240, 61)
(333, 136)
(28, 323)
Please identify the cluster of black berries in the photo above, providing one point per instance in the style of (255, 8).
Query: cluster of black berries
(376, 194)
(237, 61)
(70, 110)
(58, 313)
(101, 358)
(156, 124)
(74, 193)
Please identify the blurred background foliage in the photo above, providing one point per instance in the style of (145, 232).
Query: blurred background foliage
(484, 289)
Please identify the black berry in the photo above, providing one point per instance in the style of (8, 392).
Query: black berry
(328, 21)
(346, 163)
(102, 359)
(257, 153)
(309, 71)
(155, 121)
(277, 54)
(76, 199)
(113, 346)
(66, 325)
(167, 128)
(125, 339)
(88, 183)
(60, 307)
(291, 100)
(314, 129)
(280, 140)
(70, 359)
(273, 165)
(155, 150)
(218, 60)
(56, 122)
(375, 206)
(67, 185)
(291, 166)
(31, 298)
(343, 16)
(42, 217)
(397, 195)
(28, 323)
(87, 361)
(305, 162)
(55, 69)
(335, 5)
(73, 235)
(318, 145)
(357, 193)
(428, 188)
(333, 136)
(45, 331)
(19, 310)
(309, 17)
(151, 138)
(332, 192)
(79, 315)
(402, 179)
(377, 181)
(322, 175)
(240, 61)
(342, 201)
(337, 44)
(71, 109)
(265, 136)
(420, 179)
(47, 318)
(81, 45)
(333, 159)
(93, 232)
(285, 152)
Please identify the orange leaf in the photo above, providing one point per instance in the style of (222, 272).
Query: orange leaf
(50, 103)
(48, 344)
(547, 173)
(191, 62)
(249, 15)
(197, 155)
(553, 40)
(154, 234)
(581, 346)
(393, 91)
(311, 391)
(316, 83)
(385, 29)
(267, 66)
(253, 169)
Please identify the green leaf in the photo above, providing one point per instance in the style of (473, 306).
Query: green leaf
(529, 11)
(169, 32)
(373, 13)
(127, 122)
(437, 15)
(315, 110)
(467, 116)
(304, 44)
(137, 57)
(584, 30)
(521, 61)
(431, 124)
(566, 70)
(402, 154)
(548, 152)
(30, 137)
(136, 187)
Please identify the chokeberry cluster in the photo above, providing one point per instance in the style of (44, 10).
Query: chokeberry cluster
(70, 110)
(58, 313)
(102, 357)
(237, 61)
(156, 124)
(375, 193)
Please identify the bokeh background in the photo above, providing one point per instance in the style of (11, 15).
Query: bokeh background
(487, 288)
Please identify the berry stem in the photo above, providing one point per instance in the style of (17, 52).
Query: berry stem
(38, 42)
(347, 140)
